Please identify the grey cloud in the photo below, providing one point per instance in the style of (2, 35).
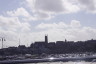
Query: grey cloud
(88, 5)
(49, 5)
(44, 9)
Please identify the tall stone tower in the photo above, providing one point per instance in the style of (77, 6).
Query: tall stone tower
(46, 38)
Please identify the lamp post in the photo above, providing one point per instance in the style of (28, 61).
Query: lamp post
(2, 39)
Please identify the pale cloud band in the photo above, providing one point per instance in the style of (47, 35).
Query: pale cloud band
(56, 31)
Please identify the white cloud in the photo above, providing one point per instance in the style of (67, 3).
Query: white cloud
(25, 27)
(9, 23)
(19, 12)
(11, 28)
(60, 25)
(75, 23)
(73, 31)
(13, 24)
(23, 14)
(52, 26)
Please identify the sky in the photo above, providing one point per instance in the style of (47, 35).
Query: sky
(27, 21)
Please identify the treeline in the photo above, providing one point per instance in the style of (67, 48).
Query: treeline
(60, 47)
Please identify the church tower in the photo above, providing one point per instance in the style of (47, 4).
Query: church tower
(46, 38)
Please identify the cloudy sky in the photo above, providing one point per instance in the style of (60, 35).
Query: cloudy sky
(29, 20)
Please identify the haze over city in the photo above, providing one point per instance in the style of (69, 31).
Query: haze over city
(26, 21)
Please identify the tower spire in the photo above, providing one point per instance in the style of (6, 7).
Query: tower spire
(46, 38)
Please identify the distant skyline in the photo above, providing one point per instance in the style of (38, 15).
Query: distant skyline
(30, 20)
